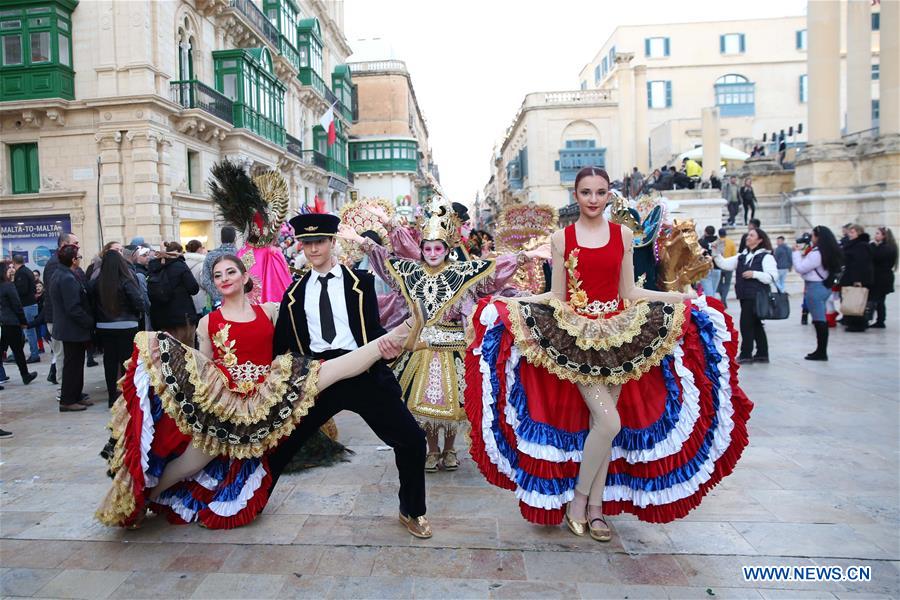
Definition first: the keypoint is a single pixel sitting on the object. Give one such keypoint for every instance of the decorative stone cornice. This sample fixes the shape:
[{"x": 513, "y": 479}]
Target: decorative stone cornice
[{"x": 211, "y": 8}]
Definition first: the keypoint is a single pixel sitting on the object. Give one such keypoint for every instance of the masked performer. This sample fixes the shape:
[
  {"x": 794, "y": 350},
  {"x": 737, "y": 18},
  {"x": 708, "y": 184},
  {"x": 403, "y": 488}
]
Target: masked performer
[
  {"x": 256, "y": 206},
  {"x": 193, "y": 430},
  {"x": 443, "y": 290},
  {"x": 627, "y": 400}
]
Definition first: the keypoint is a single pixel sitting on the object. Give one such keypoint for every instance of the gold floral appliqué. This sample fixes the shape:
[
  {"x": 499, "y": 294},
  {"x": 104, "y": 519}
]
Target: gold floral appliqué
[{"x": 225, "y": 346}]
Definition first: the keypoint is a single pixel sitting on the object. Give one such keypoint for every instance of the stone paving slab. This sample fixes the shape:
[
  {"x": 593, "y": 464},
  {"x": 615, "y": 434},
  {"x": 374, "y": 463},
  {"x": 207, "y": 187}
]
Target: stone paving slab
[{"x": 818, "y": 486}]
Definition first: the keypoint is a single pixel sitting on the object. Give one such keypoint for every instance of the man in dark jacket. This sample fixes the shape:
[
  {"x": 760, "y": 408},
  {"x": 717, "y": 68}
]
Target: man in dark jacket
[
  {"x": 72, "y": 324},
  {"x": 50, "y": 269},
  {"x": 327, "y": 321},
  {"x": 12, "y": 321},
  {"x": 171, "y": 286},
  {"x": 26, "y": 287}
]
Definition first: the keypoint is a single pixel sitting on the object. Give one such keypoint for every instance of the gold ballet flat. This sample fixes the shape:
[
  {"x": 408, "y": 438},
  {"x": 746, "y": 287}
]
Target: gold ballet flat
[
  {"x": 579, "y": 528},
  {"x": 601, "y": 534},
  {"x": 418, "y": 526}
]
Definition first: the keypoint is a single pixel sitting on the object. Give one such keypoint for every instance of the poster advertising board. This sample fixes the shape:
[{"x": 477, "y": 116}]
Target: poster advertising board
[{"x": 32, "y": 237}]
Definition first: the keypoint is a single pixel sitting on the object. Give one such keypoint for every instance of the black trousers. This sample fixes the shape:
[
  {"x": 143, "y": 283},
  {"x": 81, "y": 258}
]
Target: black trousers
[
  {"x": 117, "y": 346},
  {"x": 376, "y": 397},
  {"x": 12, "y": 339},
  {"x": 750, "y": 206},
  {"x": 878, "y": 306},
  {"x": 752, "y": 331},
  {"x": 73, "y": 372}
]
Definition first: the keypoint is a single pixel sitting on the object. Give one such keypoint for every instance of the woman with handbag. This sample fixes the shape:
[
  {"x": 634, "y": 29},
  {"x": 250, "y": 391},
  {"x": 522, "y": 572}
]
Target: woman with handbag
[
  {"x": 858, "y": 273},
  {"x": 756, "y": 270},
  {"x": 818, "y": 264},
  {"x": 884, "y": 260}
]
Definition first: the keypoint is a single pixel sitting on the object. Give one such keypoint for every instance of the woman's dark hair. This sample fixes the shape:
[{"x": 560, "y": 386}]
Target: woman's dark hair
[
  {"x": 193, "y": 245},
  {"x": 764, "y": 242},
  {"x": 174, "y": 247},
  {"x": 832, "y": 256},
  {"x": 591, "y": 172},
  {"x": 67, "y": 255},
  {"x": 114, "y": 271},
  {"x": 4, "y": 267},
  {"x": 248, "y": 287}
]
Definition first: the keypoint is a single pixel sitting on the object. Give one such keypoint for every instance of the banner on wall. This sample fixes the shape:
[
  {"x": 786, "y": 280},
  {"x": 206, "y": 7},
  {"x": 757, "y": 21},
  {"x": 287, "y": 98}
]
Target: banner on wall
[{"x": 34, "y": 238}]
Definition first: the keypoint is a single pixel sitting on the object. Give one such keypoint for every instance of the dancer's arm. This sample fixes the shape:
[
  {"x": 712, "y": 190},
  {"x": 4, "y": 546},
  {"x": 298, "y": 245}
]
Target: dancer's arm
[
  {"x": 629, "y": 291},
  {"x": 205, "y": 347},
  {"x": 359, "y": 361}
]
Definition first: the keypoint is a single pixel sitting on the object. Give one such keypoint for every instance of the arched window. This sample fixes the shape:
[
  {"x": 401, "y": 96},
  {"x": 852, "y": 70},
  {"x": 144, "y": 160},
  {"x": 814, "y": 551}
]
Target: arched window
[
  {"x": 186, "y": 42},
  {"x": 735, "y": 96}
]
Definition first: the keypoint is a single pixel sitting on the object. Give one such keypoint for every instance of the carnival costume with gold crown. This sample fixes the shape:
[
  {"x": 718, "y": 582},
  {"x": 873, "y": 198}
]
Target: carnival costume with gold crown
[
  {"x": 526, "y": 226},
  {"x": 431, "y": 374},
  {"x": 683, "y": 414},
  {"x": 257, "y": 206}
]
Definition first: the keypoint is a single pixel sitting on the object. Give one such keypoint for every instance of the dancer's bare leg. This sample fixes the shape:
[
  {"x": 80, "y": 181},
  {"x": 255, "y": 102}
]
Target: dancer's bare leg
[
  {"x": 190, "y": 462},
  {"x": 595, "y": 502}
]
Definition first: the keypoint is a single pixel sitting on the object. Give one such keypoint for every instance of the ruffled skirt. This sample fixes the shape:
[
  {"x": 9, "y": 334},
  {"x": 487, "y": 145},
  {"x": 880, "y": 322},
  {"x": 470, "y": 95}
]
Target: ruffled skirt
[
  {"x": 173, "y": 396},
  {"x": 684, "y": 417}
]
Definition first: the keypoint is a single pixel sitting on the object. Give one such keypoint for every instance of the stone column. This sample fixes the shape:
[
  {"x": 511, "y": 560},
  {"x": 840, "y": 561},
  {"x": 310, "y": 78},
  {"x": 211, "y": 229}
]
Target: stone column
[
  {"x": 889, "y": 78},
  {"x": 711, "y": 154},
  {"x": 145, "y": 186},
  {"x": 625, "y": 77},
  {"x": 110, "y": 202},
  {"x": 859, "y": 60},
  {"x": 823, "y": 62},
  {"x": 641, "y": 129}
]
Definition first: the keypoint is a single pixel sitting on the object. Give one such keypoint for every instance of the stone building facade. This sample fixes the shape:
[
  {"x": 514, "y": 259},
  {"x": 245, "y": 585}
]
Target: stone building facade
[
  {"x": 158, "y": 92},
  {"x": 389, "y": 148}
]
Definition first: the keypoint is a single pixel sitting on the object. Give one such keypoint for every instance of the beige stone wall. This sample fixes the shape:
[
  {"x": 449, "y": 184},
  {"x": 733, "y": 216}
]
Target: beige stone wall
[
  {"x": 383, "y": 105},
  {"x": 124, "y": 56}
]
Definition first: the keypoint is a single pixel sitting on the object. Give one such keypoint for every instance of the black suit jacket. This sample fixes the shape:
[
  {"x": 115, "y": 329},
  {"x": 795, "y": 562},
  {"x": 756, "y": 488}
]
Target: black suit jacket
[{"x": 292, "y": 330}]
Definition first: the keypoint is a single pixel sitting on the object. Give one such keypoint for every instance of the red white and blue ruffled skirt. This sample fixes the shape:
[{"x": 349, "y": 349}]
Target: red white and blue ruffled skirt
[
  {"x": 173, "y": 396},
  {"x": 684, "y": 416}
]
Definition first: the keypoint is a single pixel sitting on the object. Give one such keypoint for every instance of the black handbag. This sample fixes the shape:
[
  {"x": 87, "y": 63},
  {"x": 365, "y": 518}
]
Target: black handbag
[{"x": 772, "y": 306}]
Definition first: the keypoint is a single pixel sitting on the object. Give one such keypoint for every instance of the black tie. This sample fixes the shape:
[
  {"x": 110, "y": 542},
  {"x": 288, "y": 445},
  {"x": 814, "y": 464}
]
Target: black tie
[{"x": 325, "y": 314}]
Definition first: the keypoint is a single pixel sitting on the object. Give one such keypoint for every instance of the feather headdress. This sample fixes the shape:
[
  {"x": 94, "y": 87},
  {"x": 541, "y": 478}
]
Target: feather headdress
[{"x": 257, "y": 206}]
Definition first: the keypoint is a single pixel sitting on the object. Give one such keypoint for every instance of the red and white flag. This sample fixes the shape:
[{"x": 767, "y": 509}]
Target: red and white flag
[{"x": 328, "y": 124}]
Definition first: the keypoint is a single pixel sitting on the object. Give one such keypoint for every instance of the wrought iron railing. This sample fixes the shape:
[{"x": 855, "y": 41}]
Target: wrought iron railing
[
  {"x": 194, "y": 94},
  {"x": 258, "y": 19},
  {"x": 294, "y": 146}
]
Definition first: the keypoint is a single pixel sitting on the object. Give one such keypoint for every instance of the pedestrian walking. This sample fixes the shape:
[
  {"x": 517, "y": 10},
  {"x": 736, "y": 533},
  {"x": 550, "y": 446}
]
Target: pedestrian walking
[
  {"x": 50, "y": 269},
  {"x": 25, "y": 285},
  {"x": 748, "y": 199},
  {"x": 171, "y": 287},
  {"x": 730, "y": 194},
  {"x": 636, "y": 183},
  {"x": 12, "y": 323},
  {"x": 729, "y": 249}
]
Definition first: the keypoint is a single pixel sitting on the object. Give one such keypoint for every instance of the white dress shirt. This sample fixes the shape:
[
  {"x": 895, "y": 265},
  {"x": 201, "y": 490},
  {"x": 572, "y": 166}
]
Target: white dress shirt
[{"x": 344, "y": 339}]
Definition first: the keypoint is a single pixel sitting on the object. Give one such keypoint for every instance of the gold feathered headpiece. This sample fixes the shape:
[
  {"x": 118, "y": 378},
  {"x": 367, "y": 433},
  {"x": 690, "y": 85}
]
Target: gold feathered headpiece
[{"x": 443, "y": 223}]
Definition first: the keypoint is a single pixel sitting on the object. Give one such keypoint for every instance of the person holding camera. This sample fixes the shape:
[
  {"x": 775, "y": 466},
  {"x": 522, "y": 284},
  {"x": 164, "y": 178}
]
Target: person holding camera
[
  {"x": 817, "y": 258},
  {"x": 756, "y": 271}
]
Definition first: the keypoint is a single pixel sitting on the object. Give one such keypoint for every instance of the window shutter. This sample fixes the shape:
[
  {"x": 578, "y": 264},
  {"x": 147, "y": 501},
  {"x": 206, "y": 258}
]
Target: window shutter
[
  {"x": 721, "y": 44},
  {"x": 18, "y": 158},
  {"x": 649, "y": 94},
  {"x": 667, "y": 46},
  {"x": 668, "y": 94},
  {"x": 801, "y": 88},
  {"x": 799, "y": 39},
  {"x": 646, "y": 46},
  {"x": 556, "y": 165},
  {"x": 742, "y": 43}
]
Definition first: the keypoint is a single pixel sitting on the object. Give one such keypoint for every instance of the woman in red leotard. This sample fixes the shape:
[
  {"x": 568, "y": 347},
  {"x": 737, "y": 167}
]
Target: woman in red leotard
[
  {"x": 626, "y": 399},
  {"x": 191, "y": 430}
]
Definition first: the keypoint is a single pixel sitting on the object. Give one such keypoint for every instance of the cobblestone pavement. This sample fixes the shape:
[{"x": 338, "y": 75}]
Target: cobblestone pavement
[{"x": 817, "y": 486}]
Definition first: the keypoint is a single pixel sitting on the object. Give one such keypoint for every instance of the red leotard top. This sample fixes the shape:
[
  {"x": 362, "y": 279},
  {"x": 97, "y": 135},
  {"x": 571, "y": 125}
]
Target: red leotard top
[
  {"x": 243, "y": 351},
  {"x": 599, "y": 268}
]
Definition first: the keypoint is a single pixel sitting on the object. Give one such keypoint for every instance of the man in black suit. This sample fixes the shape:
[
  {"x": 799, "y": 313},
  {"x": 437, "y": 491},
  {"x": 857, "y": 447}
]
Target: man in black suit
[{"x": 328, "y": 312}]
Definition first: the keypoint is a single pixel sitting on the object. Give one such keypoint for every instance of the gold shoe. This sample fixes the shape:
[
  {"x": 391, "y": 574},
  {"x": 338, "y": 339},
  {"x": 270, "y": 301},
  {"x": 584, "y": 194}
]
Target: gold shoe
[
  {"x": 579, "y": 528},
  {"x": 449, "y": 460},
  {"x": 601, "y": 534},
  {"x": 431, "y": 462},
  {"x": 418, "y": 526}
]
